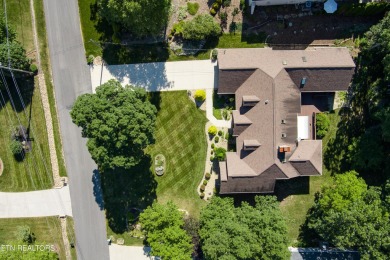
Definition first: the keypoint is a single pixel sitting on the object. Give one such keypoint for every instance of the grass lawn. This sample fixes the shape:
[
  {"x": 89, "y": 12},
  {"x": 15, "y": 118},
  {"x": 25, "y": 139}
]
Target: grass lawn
[
  {"x": 71, "y": 236},
  {"x": 295, "y": 207},
  {"x": 45, "y": 63},
  {"x": 47, "y": 231},
  {"x": 181, "y": 139}
]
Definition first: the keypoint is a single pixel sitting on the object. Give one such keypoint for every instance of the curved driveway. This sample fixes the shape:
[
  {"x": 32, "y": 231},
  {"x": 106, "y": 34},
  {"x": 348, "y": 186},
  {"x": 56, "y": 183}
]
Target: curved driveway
[
  {"x": 43, "y": 203},
  {"x": 71, "y": 79}
]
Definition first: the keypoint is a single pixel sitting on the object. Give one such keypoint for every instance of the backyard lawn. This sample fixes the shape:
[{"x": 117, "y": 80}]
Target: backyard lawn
[
  {"x": 47, "y": 231},
  {"x": 295, "y": 207}
]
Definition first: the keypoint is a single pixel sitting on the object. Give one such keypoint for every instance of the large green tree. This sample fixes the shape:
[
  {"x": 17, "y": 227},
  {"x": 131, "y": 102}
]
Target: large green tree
[
  {"x": 349, "y": 215},
  {"x": 246, "y": 232},
  {"x": 119, "y": 123},
  {"x": 163, "y": 226},
  {"x": 141, "y": 17},
  {"x": 16, "y": 56}
]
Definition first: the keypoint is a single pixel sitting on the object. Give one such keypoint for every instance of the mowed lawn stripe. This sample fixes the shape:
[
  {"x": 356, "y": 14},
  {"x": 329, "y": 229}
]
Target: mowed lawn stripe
[{"x": 181, "y": 139}]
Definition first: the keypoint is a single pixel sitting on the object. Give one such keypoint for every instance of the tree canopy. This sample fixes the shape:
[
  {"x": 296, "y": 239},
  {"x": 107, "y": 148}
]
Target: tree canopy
[
  {"x": 200, "y": 28},
  {"x": 119, "y": 123},
  {"x": 141, "y": 17},
  {"x": 17, "y": 54},
  {"x": 349, "y": 215},
  {"x": 163, "y": 226},
  {"x": 246, "y": 232}
]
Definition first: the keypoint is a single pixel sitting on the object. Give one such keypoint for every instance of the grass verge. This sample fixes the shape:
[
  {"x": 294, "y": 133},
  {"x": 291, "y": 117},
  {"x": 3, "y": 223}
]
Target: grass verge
[
  {"x": 295, "y": 207},
  {"x": 47, "y": 231},
  {"x": 34, "y": 172},
  {"x": 44, "y": 52},
  {"x": 71, "y": 236}
]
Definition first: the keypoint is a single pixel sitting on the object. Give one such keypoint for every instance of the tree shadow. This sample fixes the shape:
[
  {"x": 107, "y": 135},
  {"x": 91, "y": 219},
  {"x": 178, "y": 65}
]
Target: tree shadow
[
  {"x": 26, "y": 90},
  {"x": 155, "y": 99},
  {"x": 126, "y": 189},
  {"x": 97, "y": 189}
]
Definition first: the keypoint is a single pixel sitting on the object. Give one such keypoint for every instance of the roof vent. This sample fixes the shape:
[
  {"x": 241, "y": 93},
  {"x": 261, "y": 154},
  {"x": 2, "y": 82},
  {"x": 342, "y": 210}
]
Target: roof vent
[
  {"x": 266, "y": 101},
  {"x": 283, "y": 121},
  {"x": 284, "y": 62},
  {"x": 304, "y": 59},
  {"x": 284, "y": 135}
]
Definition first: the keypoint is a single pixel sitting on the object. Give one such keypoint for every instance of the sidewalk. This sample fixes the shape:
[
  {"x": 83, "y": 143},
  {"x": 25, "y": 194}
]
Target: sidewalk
[
  {"x": 118, "y": 252},
  {"x": 54, "y": 202}
]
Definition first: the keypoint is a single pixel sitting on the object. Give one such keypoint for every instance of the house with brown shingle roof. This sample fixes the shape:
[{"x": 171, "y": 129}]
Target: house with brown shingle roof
[{"x": 274, "y": 139}]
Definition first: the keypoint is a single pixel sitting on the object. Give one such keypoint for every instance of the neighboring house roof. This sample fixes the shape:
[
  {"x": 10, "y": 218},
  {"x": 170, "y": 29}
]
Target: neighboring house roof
[{"x": 268, "y": 102}]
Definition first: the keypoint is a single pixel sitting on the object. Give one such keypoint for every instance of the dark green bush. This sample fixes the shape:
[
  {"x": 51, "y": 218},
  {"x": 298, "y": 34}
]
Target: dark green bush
[
  {"x": 214, "y": 54},
  {"x": 192, "y": 8},
  {"x": 205, "y": 182},
  {"x": 216, "y": 139},
  {"x": 90, "y": 59},
  {"x": 212, "y": 151},
  {"x": 218, "y": 2},
  {"x": 226, "y": 3},
  {"x": 220, "y": 153},
  {"x": 235, "y": 12},
  {"x": 207, "y": 176},
  {"x": 223, "y": 16},
  {"x": 202, "y": 195},
  {"x": 16, "y": 147},
  {"x": 227, "y": 136},
  {"x": 211, "y": 158},
  {"x": 33, "y": 68},
  {"x": 212, "y": 146},
  {"x": 213, "y": 12},
  {"x": 202, "y": 188},
  {"x": 201, "y": 27},
  {"x": 322, "y": 125},
  {"x": 242, "y": 4},
  {"x": 220, "y": 133}
]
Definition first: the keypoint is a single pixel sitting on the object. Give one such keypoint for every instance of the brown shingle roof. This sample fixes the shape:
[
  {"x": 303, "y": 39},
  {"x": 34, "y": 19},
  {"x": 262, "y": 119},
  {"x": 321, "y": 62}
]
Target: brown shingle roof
[
  {"x": 273, "y": 119},
  {"x": 230, "y": 80},
  {"x": 320, "y": 79}
]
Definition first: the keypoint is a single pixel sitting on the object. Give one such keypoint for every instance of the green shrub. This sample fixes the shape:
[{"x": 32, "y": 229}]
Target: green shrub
[
  {"x": 192, "y": 8},
  {"x": 211, "y": 158},
  {"x": 220, "y": 132},
  {"x": 182, "y": 13},
  {"x": 177, "y": 28},
  {"x": 200, "y": 95},
  {"x": 242, "y": 4},
  {"x": 213, "y": 12},
  {"x": 212, "y": 151},
  {"x": 25, "y": 235},
  {"x": 212, "y": 130},
  {"x": 220, "y": 153},
  {"x": 33, "y": 68},
  {"x": 16, "y": 147},
  {"x": 201, "y": 27},
  {"x": 235, "y": 12},
  {"x": 214, "y": 54},
  {"x": 227, "y": 136},
  {"x": 218, "y": 2},
  {"x": 202, "y": 195},
  {"x": 205, "y": 182},
  {"x": 90, "y": 59},
  {"x": 322, "y": 125},
  {"x": 202, "y": 188},
  {"x": 216, "y": 139},
  {"x": 223, "y": 16},
  {"x": 207, "y": 176},
  {"x": 215, "y": 6},
  {"x": 212, "y": 146},
  {"x": 226, "y": 3}
]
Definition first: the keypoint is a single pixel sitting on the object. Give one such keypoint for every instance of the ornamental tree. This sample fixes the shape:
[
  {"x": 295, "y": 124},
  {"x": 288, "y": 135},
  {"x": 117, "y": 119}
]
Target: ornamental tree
[
  {"x": 163, "y": 227},
  {"x": 119, "y": 123},
  {"x": 201, "y": 27}
]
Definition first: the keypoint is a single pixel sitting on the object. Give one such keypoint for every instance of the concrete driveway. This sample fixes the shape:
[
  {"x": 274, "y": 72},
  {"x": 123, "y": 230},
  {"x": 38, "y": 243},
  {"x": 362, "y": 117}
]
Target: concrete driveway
[
  {"x": 43, "y": 203},
  {"x": 160, "y": 76},
  {"x": 129, "y": 252}
]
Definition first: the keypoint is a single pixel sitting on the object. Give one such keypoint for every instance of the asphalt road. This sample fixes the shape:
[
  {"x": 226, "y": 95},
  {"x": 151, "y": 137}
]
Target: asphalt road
[{"x": 71, "y": 79}]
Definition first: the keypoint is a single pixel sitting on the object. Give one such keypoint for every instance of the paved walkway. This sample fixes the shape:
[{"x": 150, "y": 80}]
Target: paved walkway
[
  {"x": 118, "y": 252},
  {"x": 54, "y": 202},
  {"x": 160, "y": 76}
]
